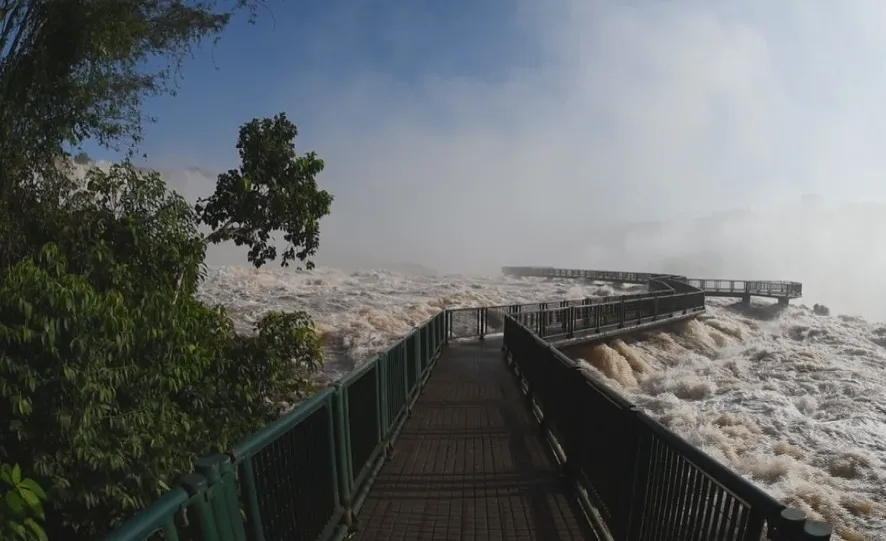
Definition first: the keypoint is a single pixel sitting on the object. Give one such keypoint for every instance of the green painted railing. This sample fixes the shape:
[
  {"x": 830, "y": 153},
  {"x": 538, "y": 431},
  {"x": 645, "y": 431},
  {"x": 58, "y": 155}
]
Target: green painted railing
[{"x": 304, "y": 476}]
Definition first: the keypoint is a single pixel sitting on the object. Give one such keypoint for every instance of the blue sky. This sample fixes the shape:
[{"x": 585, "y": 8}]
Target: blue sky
[
  {"x": 469, "y": 135},
  {"x": 298, "y": 50}
]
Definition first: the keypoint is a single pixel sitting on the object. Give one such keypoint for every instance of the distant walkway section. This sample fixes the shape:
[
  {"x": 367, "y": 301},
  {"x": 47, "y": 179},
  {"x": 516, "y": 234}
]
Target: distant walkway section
[{"x": 716, "y": 287}]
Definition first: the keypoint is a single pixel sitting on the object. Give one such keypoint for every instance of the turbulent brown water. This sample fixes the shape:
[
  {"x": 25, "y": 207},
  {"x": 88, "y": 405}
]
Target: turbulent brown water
[{"x": 794, "y": 401}]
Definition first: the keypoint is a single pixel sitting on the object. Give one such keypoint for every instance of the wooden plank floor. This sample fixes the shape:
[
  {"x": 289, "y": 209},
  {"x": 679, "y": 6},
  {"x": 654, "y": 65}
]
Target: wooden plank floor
[{"x": 470, "y": 464}]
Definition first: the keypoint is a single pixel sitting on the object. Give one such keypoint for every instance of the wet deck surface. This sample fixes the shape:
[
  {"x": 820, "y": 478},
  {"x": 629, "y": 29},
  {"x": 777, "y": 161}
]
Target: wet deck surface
[{"x": 470, "y": 464}]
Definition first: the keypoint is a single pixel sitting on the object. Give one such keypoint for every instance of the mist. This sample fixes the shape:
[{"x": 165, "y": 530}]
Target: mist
[{"x": 715, "y": 139}]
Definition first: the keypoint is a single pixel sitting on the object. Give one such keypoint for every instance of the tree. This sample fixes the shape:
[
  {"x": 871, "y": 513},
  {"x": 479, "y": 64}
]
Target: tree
[
  {"x": 273, "y": 189},
  {"x": 116, "y": 377},
  {"x": 77, "y": 70},
  {"x": 21, "y": 506}
]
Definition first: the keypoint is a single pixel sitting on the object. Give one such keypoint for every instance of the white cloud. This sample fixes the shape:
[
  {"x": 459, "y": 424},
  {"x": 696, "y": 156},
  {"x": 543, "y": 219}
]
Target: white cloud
[{"x": 641, "y": 111}]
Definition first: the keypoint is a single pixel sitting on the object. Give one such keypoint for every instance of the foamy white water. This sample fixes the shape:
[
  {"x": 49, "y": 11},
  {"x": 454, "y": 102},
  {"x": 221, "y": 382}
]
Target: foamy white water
[
  {"x": 794, "y": 401},
  {"x": 361, "y": 314}
]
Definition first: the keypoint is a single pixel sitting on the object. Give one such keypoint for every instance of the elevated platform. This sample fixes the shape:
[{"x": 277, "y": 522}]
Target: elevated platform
[
  {"x": 470, "y": 463},
  {"x": 435, "y": 439},
  {"x": 782, "y": 290}
]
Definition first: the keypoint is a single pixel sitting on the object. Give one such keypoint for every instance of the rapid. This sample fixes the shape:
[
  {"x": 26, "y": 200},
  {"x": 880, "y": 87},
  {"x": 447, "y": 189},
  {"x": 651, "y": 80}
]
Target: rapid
[{"x": 792, "y": 400}]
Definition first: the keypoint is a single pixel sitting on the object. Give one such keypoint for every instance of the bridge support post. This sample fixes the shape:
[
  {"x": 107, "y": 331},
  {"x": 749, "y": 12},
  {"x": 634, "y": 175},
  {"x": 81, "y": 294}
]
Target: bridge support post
[
  {"x": 746, "y": 298},
  {"x": 783, "y": 301},
  {"x": 793, "y": 526}
]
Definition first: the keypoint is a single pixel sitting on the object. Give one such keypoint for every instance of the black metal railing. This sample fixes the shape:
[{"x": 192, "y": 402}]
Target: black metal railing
[
  {"x": 766, "y": 288},
  {"x": 642, "y": 480},
  {"x": 662, "y": 299}
]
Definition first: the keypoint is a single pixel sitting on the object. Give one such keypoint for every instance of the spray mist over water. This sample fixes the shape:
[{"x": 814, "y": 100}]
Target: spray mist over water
[
  {"x": 679, "y": 136},
  {"x": 660, "y": 136},
  {"x": 676, "y": 136},
  {"x": 823, "y": 245},
  {"x": 789, "y": 399},
  {"x": 794, "y": 401}
]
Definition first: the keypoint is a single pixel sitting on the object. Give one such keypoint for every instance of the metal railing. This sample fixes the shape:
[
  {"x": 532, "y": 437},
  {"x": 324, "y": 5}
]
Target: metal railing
[
  {"x": 478, "y": 322},
  {"x": 749, "y": 287},
  {"x": 767, "y": 288},
  {"x": 600, "y": 275},
  {"x": 569, "y": 322},
  {"x": 642, "y": 481},
  {"x": 303, "y": 477}
]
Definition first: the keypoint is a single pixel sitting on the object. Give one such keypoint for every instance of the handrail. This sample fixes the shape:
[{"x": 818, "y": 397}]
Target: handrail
[
  {"x": 678, "y": 491},
  {"x": 641, "y": 480},
  {"x": 768, "y": 288},
  {"x": 346, "y": 432}
]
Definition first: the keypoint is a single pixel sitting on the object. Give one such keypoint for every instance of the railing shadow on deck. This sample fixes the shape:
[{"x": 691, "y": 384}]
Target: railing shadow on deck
[{"x": 305, "y": 476}]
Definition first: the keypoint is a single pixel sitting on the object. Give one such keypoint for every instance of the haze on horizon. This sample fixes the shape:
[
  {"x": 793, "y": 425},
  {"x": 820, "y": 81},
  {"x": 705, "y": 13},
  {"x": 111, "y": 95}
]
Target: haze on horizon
[{"x": 747, "y": 137}]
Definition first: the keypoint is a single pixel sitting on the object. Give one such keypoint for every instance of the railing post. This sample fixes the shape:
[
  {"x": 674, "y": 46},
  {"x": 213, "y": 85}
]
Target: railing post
[
  {"x": 425, "y": 346},
  {"x": 342, "y": 453},
  {"x": 253, "y": 510},
  {"x": 195, "y": 485},
  {"x": 228, "y": 480},
  {"x": 572, "y": 443},
  {"x": 383, "y": 396},
  {"x": 543, "y": 392},
  {"x": 634, "y": 507},
  {"x": 419, "y": 334},
  {"x": 482, "y": 316},
  {"x": 211, "y": 469},
  {"x": 570, "y": 331},
  {"x": 404, "y": 355}
]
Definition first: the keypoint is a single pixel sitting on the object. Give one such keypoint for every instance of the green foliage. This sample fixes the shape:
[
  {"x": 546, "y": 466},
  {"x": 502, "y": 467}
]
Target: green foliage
[
  {"x": 78, "y": 69},
  {"x": 114, "y": 376},
  {"x": 82, "y": 158},
  {"x": 91, "y": 382},
  {"x": 256, "y": 375},
  {"x": 151, "y": 230},
  {"x": 21, "y": 506},
  {"x": 273, "y": 190}
]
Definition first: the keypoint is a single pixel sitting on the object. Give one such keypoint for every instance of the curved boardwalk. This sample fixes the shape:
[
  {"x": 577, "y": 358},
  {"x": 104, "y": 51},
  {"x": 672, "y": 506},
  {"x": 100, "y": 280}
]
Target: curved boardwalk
[
  {"x": 470, "y": 463},
  {"x": 470, "y": 460}
]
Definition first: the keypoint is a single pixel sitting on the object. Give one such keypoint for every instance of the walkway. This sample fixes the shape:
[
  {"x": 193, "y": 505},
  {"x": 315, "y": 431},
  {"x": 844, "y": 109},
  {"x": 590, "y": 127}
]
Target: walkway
[{"x": 470, "y": 463}]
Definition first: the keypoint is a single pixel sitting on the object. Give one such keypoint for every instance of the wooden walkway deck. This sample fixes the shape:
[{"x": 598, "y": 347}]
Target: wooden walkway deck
[{"x": 470, "y": 464}]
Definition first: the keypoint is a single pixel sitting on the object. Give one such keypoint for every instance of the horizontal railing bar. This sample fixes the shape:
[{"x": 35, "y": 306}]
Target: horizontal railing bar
[{"x": 360, "y": 415}]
